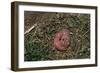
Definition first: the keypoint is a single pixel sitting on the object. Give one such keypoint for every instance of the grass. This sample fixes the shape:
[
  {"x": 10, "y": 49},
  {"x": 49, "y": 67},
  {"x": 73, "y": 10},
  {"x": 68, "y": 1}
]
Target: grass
[{"x": 38, "y": 43}]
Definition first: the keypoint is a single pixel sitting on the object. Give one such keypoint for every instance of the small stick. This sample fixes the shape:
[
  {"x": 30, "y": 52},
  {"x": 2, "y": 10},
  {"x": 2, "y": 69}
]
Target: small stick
[{"x": 30, "y": 29}]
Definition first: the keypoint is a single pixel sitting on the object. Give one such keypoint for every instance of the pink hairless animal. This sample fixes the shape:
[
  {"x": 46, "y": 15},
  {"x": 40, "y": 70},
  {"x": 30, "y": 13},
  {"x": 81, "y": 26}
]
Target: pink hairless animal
[{"x": 62, "y": 40}]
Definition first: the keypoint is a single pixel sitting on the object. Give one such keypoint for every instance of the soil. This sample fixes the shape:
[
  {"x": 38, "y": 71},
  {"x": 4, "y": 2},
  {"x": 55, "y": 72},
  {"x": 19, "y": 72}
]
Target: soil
[{"x": 39, "y": 42}]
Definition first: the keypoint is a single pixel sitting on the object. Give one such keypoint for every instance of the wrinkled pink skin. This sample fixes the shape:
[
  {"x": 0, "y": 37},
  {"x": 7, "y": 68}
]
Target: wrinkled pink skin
[{"x": 62, "y": 40}]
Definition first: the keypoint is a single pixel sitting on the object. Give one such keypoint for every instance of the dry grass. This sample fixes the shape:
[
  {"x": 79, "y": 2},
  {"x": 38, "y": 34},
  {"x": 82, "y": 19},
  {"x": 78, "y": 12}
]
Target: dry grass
[{"x": 39, "y": 41}]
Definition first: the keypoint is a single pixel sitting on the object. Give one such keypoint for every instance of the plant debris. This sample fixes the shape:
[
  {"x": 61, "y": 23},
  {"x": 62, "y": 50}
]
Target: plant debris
[{"x": 39, "y": 42}]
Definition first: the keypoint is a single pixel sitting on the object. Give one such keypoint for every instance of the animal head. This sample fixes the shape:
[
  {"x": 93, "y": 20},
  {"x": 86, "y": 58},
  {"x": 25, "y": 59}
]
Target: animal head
[{"x": 62, "y": 40}]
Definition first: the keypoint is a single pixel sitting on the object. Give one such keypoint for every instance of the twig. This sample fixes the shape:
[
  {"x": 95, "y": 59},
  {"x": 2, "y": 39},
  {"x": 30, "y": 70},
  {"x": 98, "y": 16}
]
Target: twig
[
  {"x": 85, "y": 33},
  {"x": 30, "y": 29}
]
